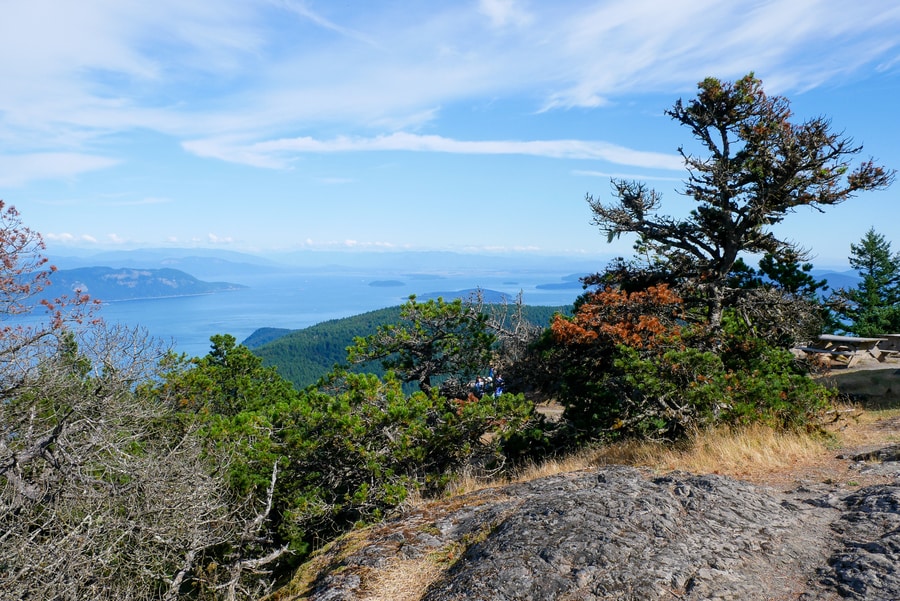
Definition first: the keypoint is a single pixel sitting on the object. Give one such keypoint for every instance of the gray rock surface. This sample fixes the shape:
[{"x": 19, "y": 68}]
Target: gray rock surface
[
  {"x": 622, "y": 533},
  {"x": 615, "y": 535},
  {"x": 867, "y": 564}
]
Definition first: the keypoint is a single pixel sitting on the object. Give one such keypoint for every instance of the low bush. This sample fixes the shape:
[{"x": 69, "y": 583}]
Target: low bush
[{"x": 628, "y": 364}]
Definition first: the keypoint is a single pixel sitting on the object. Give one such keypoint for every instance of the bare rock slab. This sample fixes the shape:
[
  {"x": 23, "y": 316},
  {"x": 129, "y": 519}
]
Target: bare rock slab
[
  {"x": 624, "y": 533},
  {"x": 614, "y": 534}
]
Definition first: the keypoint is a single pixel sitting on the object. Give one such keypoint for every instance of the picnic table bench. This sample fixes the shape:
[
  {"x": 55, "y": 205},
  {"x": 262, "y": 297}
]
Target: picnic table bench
[
  {"x": 846, "y": 350},
  {"x": 891, "y": 343}
]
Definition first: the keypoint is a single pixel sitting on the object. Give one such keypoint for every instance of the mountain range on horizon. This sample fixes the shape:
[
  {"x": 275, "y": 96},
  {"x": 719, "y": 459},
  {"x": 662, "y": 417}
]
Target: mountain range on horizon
[{"x": 211, "y": 262}]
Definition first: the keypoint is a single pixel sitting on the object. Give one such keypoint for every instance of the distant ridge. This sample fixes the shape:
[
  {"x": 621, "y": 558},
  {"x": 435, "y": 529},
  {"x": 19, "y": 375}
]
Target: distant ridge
[
  {"x": 200, "y": 262},
  {"x": 117, "y": 284},
  {"x": 489, "y": 296}
]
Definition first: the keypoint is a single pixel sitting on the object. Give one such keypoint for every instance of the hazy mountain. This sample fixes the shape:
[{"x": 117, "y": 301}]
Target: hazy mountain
[
  {"x": 114, "y": 284},
  {"x": 218, "y": 264},
  {"x": 837, "y": 279},
  {"x": 487, "y": 295},
  {"x": 200, "y": 262},
  {"x": 438, "y": 261}
]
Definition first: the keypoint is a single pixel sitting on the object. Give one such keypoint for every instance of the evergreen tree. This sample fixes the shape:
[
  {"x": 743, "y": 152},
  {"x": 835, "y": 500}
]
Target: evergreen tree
[
  {"x": 434, "y": 339},
  {"x": 757, "y": 166},
  {"x": 873, "y": 307}
]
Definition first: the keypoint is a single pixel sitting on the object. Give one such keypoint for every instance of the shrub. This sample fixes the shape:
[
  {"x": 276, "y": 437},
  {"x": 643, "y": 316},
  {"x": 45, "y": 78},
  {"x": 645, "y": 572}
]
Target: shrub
[
  {"x": 357, "y": 446},
  {"x": 626, "y": 365}
]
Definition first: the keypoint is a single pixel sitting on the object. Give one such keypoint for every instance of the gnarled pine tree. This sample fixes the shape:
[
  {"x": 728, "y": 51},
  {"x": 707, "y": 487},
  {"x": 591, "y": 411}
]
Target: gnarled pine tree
[{"x": 757, "y": 167}]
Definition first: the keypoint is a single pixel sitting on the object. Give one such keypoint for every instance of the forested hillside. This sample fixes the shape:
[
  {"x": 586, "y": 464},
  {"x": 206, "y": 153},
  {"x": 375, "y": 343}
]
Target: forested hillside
[
  {"x": 303, "y": 356},
  {"x": 113, "y": 284}
]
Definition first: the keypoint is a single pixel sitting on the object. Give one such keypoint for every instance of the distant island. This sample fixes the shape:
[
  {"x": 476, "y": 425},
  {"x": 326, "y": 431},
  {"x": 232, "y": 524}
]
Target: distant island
[
  {"x": 561, "y": 286},
  {"x": 386, "y": 283},
  {"x": 110, "y": 284},
  {"x": 488, "y": 296}
]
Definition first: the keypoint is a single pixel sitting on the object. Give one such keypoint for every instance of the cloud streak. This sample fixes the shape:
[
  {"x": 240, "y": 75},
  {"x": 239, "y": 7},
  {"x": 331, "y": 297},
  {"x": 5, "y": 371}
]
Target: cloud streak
[
  {"x": 350, "y": 78},
  {"x": 254, "y": 119},
  {"x": 17, "y": 170},
  {"x": 273, "y": 153}
]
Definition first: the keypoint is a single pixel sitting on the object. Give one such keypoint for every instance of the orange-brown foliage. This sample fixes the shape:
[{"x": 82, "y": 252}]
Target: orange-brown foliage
[{"x": 639, "y": 319}]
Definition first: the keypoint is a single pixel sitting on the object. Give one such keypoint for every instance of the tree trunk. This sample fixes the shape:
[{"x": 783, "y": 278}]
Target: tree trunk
[{"x": 716, "y": 306}]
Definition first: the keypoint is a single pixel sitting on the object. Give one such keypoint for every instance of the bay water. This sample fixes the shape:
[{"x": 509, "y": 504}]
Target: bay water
[{"x": 299, "y": 300}]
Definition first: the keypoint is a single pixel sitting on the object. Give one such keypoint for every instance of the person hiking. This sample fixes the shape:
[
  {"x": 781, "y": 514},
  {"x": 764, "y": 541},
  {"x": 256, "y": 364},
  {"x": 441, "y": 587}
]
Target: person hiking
[
  {"x": 479, "y": 387},
  {"x": 498, "y": 385}
]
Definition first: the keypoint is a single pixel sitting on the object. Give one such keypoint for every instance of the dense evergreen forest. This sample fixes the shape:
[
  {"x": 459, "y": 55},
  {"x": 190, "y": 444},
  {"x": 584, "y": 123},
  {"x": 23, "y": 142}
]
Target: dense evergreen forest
[{"x": 304, "y": 356}]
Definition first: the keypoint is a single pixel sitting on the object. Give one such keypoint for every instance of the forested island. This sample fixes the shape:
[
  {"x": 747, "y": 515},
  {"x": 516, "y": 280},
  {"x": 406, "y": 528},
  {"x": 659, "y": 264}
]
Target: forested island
[{"x": 117, "y": 284}]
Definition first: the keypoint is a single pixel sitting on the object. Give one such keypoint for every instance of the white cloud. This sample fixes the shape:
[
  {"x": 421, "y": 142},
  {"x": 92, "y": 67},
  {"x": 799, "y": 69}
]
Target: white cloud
[
  {"x": 310, "y": 244},
  {"x": 505, "y": 12},
  {"x": 64, "y": 237},
  {"x": 625, "y": 176},
  {"x": 302, "y": 10},
  {"x": 215, "y": 239},
  {"x": 19, "y": 169},
  {"x": 233, "y": 152},
  {"x": 232, "y": 70},
  {"x": 273, "y": 153},
  {"x": 501, "y": 249},
  {"x": 150, "y": 200},
  {"x": 67, "y": 238}
]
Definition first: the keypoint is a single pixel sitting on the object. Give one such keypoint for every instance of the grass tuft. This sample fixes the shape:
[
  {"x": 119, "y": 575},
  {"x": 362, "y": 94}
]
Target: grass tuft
[{"x": 749, "y": 452}]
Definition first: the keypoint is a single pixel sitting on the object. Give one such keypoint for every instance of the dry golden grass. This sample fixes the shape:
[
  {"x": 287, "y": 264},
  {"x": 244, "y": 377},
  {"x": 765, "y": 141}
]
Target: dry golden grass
[
  {"x": 573, "y": 462},
  {"x": 756, "y": 453},
  {"x": 404, "y": 580},
  {"x": 408, "y": 579},
  {"x": 746, "y": 453},
  {"x": 401, "y": 580},
  {"x": 741, "y": 453},
  {"x": 872, "y": 427},
  {"x": 470, "y": 482}
]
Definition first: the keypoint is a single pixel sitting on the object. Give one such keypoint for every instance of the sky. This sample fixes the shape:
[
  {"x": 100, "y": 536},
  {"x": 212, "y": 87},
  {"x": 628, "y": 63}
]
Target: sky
[{"x": 467, "y": 125}]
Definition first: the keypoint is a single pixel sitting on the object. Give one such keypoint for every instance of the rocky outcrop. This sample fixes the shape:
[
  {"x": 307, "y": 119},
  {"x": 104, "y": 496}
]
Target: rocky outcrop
[{"x": 623, "y": 533}]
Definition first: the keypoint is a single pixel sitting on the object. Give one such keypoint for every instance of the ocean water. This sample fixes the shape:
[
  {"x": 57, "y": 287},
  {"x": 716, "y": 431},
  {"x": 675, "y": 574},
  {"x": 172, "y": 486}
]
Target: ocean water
[{"x": 296, "y": 301}]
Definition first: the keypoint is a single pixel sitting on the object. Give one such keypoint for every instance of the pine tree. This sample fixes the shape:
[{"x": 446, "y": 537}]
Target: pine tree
[
  {"x": 756, "y": 166},
  {"x": 873, "y": 306}
]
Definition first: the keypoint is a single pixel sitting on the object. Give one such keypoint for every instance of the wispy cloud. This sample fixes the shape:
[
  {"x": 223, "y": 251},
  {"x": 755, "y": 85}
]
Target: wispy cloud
[
  {"x": 266, "y": 70},
  {"x": 67, "y": 238},
  {"x": 218, "y": 240},
  {"x": 505, "y": 12},
  {"x": 273, "y": 153},
  {"x": 626, "y": 176},
  {"x": 349, "y": 244},
  {"x": 17, "y": 170},
  {"x": 304, "y": 11},
  {"x": 138, "y": 202}
]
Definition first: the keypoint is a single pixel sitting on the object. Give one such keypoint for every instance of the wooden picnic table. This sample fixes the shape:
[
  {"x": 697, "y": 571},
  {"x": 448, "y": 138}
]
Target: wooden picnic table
[
  {"x": 845, "y": 350},
  {"x": 891, "y": 343},
  {"x": 850, "y": 343}
]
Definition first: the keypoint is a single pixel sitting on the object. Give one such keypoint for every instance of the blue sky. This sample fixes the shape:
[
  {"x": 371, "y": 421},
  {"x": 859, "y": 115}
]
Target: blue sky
[{"x": 464, "y": 125}]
